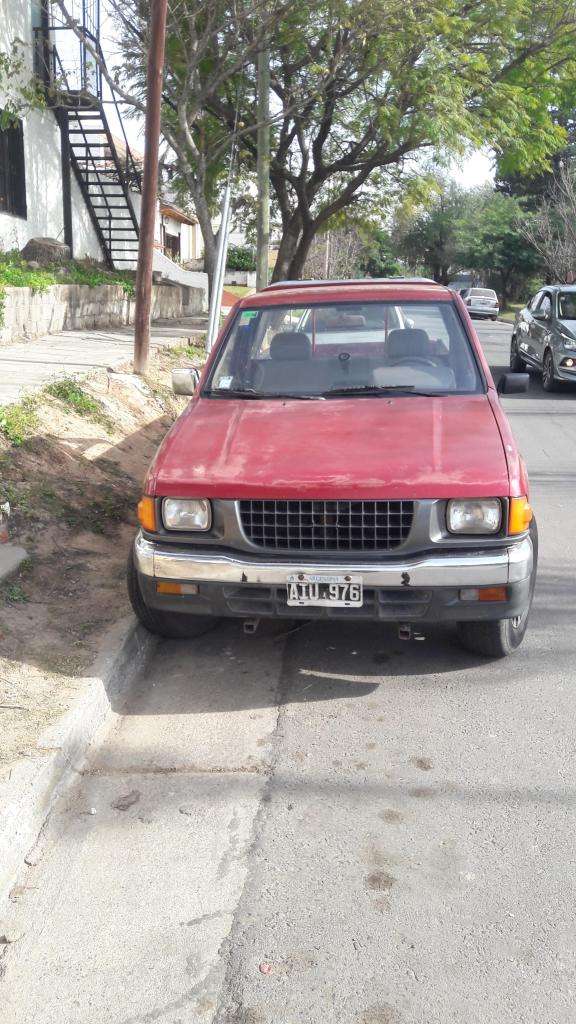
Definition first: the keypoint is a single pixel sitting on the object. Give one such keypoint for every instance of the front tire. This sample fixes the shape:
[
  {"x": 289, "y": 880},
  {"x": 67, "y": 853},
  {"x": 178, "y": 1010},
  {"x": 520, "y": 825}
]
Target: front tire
[
  {"x": 500, "y": 637},
  {"x": 549, "y": 383},
  {"x": 166, "y": 624},
  {"x": 517, "y": 364},
  {"x": 494, "y": 639}
]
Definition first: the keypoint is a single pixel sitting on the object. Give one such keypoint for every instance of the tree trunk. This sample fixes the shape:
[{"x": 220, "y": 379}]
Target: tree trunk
[
  {"x": 288, "y": 247},
  {"x": 209, "y": 238},
  {"x": 294, "y": 249},
  {"x": 300, "y": 256}
]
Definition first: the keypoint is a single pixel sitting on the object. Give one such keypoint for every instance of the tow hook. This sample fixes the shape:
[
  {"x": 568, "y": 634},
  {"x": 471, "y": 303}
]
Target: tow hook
[
  {"x": 405, "y": 631},
  {"x": 250, "y": 625}
]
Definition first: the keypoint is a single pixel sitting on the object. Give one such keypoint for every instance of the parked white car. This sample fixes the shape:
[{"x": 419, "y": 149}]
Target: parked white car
[{"x": 482, "y": 302}]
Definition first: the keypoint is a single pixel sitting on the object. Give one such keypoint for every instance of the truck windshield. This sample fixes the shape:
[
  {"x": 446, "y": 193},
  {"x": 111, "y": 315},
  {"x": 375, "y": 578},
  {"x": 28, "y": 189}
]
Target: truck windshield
[{"x": 360, "y": 348}]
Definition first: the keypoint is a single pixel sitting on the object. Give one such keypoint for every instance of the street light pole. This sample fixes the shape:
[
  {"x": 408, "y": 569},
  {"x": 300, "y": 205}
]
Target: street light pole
[
  {"x": 263, "y": 170},
  {"x": 149, "y": 185}
]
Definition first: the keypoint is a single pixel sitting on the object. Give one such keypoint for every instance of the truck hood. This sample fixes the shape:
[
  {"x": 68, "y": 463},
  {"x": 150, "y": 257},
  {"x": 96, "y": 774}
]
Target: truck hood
[{"x": 397, "y": 447}]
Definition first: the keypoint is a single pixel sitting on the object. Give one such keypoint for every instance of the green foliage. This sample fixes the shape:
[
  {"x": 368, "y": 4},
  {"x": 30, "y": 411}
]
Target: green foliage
[
  {"x": 240, "y": 257},
  {"x": 378, "y": 258},
  {"x": 19, "y": 94},
  {"x": 492, "y": 243},
  {"x": 71, "y": 394},
  {"x": 15, "y": 273},
  {"x": 13, "y": 593},
  {"x": 19, "y": 420},
  {"x": 429, "y": 235}
]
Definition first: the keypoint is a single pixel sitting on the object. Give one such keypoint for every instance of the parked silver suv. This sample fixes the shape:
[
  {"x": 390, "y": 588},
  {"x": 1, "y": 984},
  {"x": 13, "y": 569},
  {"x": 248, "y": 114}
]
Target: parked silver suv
[
  {"x": 544, "y": 336},
  {"x": 482, "y": 302}
]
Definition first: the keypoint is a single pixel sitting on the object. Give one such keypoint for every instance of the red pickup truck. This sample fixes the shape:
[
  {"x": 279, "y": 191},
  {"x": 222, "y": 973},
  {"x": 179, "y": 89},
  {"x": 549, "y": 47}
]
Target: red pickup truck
[{"x": 345, "y": 455}]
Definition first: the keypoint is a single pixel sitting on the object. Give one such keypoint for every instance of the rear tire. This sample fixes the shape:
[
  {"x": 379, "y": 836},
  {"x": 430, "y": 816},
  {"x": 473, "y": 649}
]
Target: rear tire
[
  {"x": 167, "y": 624},
  {"x": 548, "y": 381},
  {"x": 499, "y": 637},
  {"x": 517, "y": 364}
]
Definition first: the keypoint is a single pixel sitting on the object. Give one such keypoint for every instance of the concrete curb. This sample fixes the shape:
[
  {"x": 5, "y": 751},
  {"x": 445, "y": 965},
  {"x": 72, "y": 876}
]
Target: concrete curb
[
  {"x": 11, "y": 558},
  {"x": 29, "y": 792}
]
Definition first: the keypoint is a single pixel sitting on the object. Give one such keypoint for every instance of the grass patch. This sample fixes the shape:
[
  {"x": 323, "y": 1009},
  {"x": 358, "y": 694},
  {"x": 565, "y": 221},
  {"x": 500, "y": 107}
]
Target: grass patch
[
  {"x": 239, "y": 289},
  {"x": 19, "y": 421},
  {"x": 509, "y": 314},
  {"x": 187, "y": 352},
  {"x": 69, "y": 392},
  {"x": 12, "y": 593}
]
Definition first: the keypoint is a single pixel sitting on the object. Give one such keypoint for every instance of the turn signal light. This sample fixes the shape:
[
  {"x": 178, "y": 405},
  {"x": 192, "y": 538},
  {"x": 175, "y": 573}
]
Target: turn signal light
[
  {"x": 520, "y": 515},
  {"x": 165, "y": 587},
  {"x": 492, "y": 594},
  {"x": 147, "y": 514},
  {"x": 483, "y": 594}
]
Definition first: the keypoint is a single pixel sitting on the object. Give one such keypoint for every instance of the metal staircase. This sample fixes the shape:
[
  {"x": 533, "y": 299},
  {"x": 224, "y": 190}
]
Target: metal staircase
[
  {"x": 105, "y": 180},
  {"x": 104, "y": 167}
]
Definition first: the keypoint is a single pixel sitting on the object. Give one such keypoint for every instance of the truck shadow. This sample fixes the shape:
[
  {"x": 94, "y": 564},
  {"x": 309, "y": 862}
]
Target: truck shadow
[{"x": 225, "y": 670}]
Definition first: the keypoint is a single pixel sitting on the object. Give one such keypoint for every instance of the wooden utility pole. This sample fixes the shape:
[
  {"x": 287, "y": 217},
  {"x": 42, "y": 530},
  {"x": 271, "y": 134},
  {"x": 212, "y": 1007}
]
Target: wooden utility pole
[
  {"x": 149, "y": 185},
  {"x": 263, "y": 170}
]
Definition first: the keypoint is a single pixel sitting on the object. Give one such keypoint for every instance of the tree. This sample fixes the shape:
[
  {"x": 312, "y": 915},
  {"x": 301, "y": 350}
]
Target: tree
[
  {"x": 210, "y": 48},
  {"x": 551, "y": 231},
  {"x": 336, "y": 254},
  {"x": 533, "y": 188},
  {"x": 20, "y": 92},
  {"x": 361, "y": 85},
  {"x": 492, "y": 242},
  {"x": 378, "y": 257},
  {"x": 431, "y": 238}
]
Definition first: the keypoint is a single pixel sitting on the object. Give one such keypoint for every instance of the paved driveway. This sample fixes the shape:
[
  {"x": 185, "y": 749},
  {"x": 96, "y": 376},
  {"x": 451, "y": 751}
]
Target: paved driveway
[{"x": 329, "y": 826}]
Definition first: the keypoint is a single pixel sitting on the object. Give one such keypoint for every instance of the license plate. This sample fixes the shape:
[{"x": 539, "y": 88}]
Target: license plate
[{"x": 324, "y": 591}]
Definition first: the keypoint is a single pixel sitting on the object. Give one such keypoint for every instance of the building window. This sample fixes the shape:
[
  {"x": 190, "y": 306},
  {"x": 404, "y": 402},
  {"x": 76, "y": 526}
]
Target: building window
[{"x": 12, "y": 175}]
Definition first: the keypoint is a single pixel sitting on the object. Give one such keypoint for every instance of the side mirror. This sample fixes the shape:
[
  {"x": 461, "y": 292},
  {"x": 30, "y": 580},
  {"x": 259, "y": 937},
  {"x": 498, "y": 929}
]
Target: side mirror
[
  {"x": 539, "y": 314},
  {"x": 513, "y": 383},
  {"x": 185, "y": 380}
]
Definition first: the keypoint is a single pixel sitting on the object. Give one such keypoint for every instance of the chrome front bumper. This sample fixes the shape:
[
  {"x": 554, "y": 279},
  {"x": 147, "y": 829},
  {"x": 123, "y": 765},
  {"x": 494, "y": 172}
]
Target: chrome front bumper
[{"x": 459, "y": 569}]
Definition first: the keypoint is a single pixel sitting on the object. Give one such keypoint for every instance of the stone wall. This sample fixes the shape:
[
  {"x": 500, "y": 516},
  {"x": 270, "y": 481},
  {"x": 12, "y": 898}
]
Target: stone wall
[
  {"x": 242, "y": 277},
  {"x": 69, "y": 307}
]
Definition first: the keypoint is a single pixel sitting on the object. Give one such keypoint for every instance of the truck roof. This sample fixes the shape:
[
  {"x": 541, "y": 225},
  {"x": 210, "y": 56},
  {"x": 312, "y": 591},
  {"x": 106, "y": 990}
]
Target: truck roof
[{"x": 395, "y": 289}]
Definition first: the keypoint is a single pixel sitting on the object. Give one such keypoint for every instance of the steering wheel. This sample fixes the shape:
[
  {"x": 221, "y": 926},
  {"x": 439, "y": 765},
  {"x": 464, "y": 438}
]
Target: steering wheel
[{"x": 420, "y": 360}]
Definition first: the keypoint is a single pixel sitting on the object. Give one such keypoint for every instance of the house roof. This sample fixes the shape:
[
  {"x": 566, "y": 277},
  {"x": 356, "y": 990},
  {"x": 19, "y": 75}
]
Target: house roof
[
  {"x": 120, "y": 145},
  {"x": 170, "y": 210}
]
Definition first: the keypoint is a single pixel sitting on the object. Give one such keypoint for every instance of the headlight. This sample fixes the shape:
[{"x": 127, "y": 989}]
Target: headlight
[
  {"x": 569, "y": 343},
  {"x": 474, "y": 515},
  {"x": 189, "y": 514}
]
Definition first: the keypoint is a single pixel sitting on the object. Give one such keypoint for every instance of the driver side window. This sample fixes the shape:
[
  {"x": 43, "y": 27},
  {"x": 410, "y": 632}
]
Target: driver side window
[{"x": 545, "y": 305}]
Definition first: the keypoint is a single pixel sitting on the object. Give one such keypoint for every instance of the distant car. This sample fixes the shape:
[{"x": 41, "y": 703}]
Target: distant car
[
  {"x": 345, "y": 455},
  {"x": 481, "y": 302},
  {"x": 544, "y": 336}
]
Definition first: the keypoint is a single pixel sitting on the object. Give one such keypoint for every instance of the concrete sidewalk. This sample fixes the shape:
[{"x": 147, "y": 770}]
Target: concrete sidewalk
[{"x": 27, "y": 366}]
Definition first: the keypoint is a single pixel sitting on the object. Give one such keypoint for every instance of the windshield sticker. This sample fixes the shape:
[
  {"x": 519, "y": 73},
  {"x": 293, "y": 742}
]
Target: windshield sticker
[
  {"x": 224, "y": 382},
  {"x": 248, "y": 315}
]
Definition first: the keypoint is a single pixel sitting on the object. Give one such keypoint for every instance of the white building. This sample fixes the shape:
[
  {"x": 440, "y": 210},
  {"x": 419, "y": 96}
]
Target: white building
[{"x": 63, "y": 174}]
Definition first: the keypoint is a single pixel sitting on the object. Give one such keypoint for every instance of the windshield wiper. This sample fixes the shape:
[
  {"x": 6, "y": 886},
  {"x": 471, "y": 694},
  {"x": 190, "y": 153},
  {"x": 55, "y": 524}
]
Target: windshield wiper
[
  {"x": 252, "y": 393},
  {"x": 377, "y": 389}
]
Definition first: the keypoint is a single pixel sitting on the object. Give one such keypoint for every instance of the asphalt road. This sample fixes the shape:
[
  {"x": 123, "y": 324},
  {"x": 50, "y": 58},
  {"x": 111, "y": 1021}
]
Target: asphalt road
[{"x": 329, "y": 826}]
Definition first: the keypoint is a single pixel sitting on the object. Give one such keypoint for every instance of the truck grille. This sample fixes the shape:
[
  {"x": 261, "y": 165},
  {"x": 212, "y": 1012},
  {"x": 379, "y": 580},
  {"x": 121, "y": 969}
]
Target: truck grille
[{"x": 327, "y": 525}]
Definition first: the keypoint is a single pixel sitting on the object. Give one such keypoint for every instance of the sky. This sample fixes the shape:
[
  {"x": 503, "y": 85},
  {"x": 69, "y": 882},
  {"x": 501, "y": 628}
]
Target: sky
[{"x": 475, "y": 170}]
